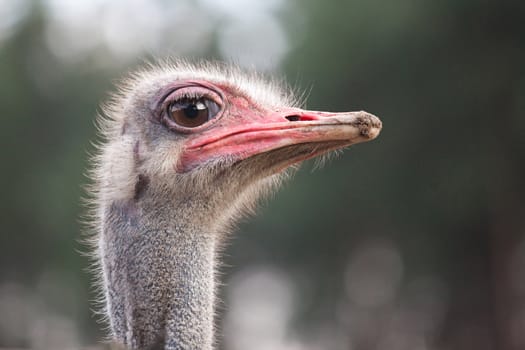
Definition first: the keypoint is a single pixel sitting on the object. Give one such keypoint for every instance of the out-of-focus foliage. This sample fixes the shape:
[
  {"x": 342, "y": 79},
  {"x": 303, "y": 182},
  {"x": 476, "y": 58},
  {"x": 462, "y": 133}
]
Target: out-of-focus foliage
[{"x": 416, "y": 240}]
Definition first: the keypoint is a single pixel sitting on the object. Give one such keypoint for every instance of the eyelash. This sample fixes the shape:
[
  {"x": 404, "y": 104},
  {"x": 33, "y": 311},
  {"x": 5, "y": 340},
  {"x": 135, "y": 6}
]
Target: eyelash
[{"x": 190, "y": 96}]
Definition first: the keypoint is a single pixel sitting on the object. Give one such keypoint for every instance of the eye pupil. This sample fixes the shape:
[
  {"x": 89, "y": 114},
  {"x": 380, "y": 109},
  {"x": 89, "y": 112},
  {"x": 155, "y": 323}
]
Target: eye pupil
[{"x": 192, "y": 111}]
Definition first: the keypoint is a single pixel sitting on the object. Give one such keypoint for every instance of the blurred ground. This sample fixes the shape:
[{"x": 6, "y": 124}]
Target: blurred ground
[{"x": 414, "y": 241}]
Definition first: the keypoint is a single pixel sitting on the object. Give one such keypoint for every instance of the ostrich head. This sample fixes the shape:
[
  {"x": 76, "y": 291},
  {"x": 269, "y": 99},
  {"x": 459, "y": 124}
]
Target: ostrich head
[{"x": 186, "y": 149}]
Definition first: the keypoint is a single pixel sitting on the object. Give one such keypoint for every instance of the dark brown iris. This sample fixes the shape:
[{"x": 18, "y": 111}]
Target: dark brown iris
[{"x": 191, "y": 113}]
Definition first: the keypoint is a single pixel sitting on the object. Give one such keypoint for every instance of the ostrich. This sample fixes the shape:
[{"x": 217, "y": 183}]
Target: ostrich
[{"x": 186, "y": 150}]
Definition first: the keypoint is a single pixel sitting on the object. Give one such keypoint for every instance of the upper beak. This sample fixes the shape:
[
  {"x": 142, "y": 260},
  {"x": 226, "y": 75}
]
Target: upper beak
[{"x": 251, "y": 136}]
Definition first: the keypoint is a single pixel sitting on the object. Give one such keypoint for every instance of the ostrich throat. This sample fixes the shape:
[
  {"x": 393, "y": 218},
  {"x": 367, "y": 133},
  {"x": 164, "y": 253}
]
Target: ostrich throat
[{"x": 162, "y": 285}]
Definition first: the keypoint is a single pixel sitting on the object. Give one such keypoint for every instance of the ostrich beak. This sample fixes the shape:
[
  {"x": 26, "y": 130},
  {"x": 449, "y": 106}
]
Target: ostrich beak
[{"x": 242, "y": 137}]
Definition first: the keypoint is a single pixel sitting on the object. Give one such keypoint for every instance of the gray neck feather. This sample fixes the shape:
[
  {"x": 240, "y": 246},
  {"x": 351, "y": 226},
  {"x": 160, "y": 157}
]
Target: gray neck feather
[{"x": 159, "y": 275}]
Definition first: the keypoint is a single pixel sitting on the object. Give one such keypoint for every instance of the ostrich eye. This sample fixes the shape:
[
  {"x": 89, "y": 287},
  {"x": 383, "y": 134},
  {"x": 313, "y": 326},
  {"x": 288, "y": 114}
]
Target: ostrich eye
[{"x": 191, "y": 113}]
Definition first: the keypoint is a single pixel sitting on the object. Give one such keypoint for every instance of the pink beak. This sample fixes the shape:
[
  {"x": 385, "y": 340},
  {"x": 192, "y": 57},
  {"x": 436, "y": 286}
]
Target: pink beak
[{"x": 248, "y": 134}]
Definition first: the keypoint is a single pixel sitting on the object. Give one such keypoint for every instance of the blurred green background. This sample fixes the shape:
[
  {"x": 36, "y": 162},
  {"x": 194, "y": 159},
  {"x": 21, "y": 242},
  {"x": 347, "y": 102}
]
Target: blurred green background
[{"x": 413, "y": 241}]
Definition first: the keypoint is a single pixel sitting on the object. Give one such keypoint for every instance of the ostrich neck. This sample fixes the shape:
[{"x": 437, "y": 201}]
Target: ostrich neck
[{"x": 159, "y": 277}]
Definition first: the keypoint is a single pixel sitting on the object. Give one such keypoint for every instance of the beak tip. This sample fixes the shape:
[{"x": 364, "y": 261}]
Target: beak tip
[{"x": 370, "y": 125}]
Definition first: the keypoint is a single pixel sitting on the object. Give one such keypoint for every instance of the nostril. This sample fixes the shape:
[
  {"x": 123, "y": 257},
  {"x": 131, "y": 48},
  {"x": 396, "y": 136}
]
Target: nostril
[{"x": 301, "y": 118}]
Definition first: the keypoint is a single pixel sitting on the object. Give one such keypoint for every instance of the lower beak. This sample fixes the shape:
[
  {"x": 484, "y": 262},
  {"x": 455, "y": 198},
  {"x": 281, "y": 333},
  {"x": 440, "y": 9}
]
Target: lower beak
[{"x": 281, "y": 129}]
